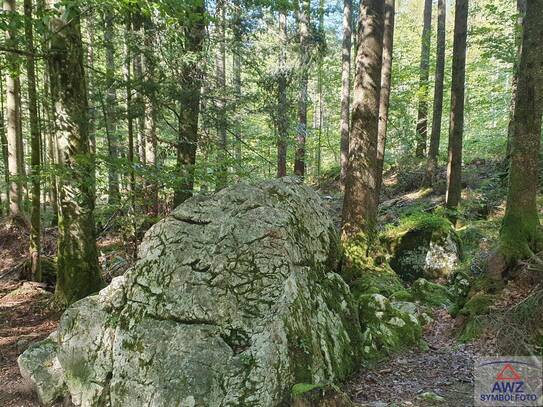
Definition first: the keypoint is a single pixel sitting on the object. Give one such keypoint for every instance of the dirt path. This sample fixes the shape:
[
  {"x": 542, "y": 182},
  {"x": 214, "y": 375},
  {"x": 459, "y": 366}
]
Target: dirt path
[
  {"x": 444, "y": 369},
  {"x": 24, "y": 318}
]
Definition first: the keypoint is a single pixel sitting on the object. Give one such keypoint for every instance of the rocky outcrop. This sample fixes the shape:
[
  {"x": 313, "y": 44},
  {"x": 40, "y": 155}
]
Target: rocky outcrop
[{"x": 233, "y": 301}]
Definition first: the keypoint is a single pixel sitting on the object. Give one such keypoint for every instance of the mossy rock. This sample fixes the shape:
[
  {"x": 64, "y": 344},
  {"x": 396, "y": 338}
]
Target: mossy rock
[
  {"x": 477, "y": 305},
  {"x": 423, "y": 245},
  {"x": 366, "y": 271},
  {"x": 432, "y": 294},
  {"x": 386, "y": 328},
  {"x": 459, "y": 285}
]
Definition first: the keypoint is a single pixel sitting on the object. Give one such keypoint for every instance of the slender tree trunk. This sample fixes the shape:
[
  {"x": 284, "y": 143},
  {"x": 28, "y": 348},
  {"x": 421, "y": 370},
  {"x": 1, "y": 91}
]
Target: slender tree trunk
[
  {"x": 150, "y": 116},
  {"x": 111, "y": 112},
  {"x": 520, "y": 235},
  {"x": 4, "y": 141},
  {"x": 282, "y": 108},
  {"x": 90, "y": 79},
  {"x": 78, "y": 271},
  {"x": 345, "y": 87},
  {"x": 236, "y": 73},
  {"x": 139, "y": 103},
  {"x": 12, "y": 118},
  {"x": 422, "y": 117},
  {"x": 384, "y": 99},
  {"x": 360, "y": 203},
  {"x": 130, "y": 114},
  {"x": 35, "y": 223},
  {"x": 189, "y": 104},
  {"x": 301, "y": 132},
  {"x": 521, "y": 9},
  {"x": 435, "y": 136},
  {"x": 456, "y": 127},
  {"x": 222, "y": 175}
]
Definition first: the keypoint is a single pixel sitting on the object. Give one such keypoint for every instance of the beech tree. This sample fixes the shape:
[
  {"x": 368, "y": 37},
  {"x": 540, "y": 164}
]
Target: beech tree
[{"x": 360, "y": 203}]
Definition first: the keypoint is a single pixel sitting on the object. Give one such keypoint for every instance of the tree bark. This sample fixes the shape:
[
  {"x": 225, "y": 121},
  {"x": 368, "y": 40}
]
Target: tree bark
[
  {"x": 150, "y": 116},
  {"x": 422, "y": 117},
  {"x": 14, "y": 144},
  {"x": 345, "y": 88},
  {"x": 360, "y": 204},
  {"x": 35, "y": 223},
  {"x": 301, "y": 132},
  {"x": 78, "y": 271},
  {"x": 384, "y": 99},
  {"x": 520, "y": 235},
  {"x": 222, "y": 175},
  {"x": 521, "y": 9},
  {"x": 189, "y": 103},
  {"x": 456, "y": 127},
  {"x": 282, "y": 109},
  {"x": 435, "y": 136},
  {"x": 111, "y": 112},
  {"x": 237, "y": 28}
]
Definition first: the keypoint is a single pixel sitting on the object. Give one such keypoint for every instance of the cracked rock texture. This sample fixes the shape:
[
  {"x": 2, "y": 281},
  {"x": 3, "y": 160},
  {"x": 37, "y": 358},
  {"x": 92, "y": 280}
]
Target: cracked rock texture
[{"x": 233, "y": 300}]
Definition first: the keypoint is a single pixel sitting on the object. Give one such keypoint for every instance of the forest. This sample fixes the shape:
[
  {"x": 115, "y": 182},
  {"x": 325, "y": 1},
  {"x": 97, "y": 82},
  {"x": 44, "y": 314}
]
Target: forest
[{"x": 271, "y": 203}]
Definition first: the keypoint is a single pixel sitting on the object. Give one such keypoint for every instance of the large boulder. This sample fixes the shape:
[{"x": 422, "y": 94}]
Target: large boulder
[
  {"x": 233, "y": 300},
  {"x": 423, "y": 245}
]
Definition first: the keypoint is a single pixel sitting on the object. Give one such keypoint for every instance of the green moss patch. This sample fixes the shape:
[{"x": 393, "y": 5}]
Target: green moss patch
[
  {"x": 386, "y": 328},
  {"x": 432, "y": 294}
]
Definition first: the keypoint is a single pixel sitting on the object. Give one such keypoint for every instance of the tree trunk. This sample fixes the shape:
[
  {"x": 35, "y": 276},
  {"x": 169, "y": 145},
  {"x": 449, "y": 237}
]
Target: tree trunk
[
  {"x": 111, "y": 112},
  {"x": 150, "y": 117},
  {"x": 189, "y": 104},
  {"x": 384, "y": 99},
  {"x": 520, "y": 235},
  {"x": 35, "y": 226},
  {"x": 78, "y": 271},
  {"x": 12, "y": 118},
  {"x": 222, "y": 174},
  {"x": 301, "y": 132},
  {"x": 521, "y": 9},
  {"x": 435, "y": 136},
  {"x": 422, "y": 117},
  {"x": 139, "y": 103},
  {"x": 282, "y": 108},
  {"x": 360, "y": 203},
  {"x": 345, "y": 87},
  {"x": 237, "y": 28},
  {"x": 456, "y": 127},
  {"x": 4, "y": 142}
]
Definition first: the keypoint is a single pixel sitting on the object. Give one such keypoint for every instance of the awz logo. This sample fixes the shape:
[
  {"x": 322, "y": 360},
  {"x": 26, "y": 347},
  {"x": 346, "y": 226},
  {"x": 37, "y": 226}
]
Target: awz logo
[{"x": 508, "y": 382}]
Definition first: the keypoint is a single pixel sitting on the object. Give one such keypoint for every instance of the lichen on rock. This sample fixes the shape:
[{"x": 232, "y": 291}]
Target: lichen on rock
[{"x": 233, "y": 300}]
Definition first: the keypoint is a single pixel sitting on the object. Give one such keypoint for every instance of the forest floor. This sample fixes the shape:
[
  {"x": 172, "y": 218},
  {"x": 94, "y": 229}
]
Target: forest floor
[{"x": 443, "y": 369}]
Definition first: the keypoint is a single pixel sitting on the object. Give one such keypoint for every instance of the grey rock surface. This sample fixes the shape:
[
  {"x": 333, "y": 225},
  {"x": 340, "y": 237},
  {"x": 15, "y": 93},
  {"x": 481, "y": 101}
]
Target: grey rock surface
[{"x": 233, "y": 300}]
